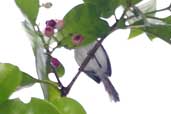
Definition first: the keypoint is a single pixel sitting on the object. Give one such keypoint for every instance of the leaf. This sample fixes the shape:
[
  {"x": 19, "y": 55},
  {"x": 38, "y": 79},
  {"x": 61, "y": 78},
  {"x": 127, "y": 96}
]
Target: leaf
[
  {"x": 60, "y": 70},
  {"x": 134, "y": 33},
  {"x": 68, "y": 106},
  {"x": 82, "y": 19},
  {"x": 41, "y": 61},
  {"x": 26, "y": 81},
  {"x": 121, "y": 24},
  {"x": 167, "y": 20},
  {"x": 40, "y": 57},
  {"x": 50, "y": 93},
  {"x": 161, "y": 31},
  {"x": 144, "y": 8},
  {"x": 105, "y": 7},
  {"x": 35, "y": 106},
  {"x": 29, "y": 8},
  {"x": 126, "y": 3},
  {"x": 54, "y": 94},
  {"x": 158, "y": 28},
  {"x": 150, "y": 36},
  {"x": 10, "y": 77}
]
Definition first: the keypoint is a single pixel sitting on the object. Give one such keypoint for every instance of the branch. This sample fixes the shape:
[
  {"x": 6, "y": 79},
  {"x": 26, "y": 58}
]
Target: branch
[
  {"x": 91, "y": 54},
  {"x": 53, "y": 84},
  {"x": 83, "y": 65},
  {"x": 152, "y": 12},
  {"x": 163, "y": 9}
]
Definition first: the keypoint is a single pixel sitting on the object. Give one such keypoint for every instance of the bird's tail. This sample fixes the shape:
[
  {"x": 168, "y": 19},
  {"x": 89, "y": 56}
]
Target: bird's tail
[{"x": 110, "y": 89}]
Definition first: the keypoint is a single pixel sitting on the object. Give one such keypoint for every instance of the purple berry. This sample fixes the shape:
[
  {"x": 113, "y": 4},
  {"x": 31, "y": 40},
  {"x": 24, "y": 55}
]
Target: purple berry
[
  {"x": 55, "y": 62},
  {"x": 52, "y": 23},
  {"x": 49, "y": 31}
]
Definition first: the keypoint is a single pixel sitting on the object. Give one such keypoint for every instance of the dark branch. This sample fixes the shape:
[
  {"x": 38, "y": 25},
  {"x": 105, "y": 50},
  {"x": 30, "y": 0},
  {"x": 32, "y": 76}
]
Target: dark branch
[{"x": 90, "y": 55}]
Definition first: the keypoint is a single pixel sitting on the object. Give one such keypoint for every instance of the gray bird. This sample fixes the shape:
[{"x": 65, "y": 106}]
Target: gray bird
[{"x": 98, "y": 68}]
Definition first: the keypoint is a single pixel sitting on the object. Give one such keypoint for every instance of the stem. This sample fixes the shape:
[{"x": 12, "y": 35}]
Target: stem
[
  {"x": 135, "y": 26},
  {"x": 47, "y": 82},
  {"x": 152, "y": 12},
  {"x": 163, "y": 9},
  {"x": 40, "y": 34},
  {"x": 57, "y": 77},
  {"x": 53, "y": 49},
  {"x": 154, "y": 18}
]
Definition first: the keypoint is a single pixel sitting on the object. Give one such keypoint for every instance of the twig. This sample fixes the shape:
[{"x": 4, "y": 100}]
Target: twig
[
  {"x": 53, "y": 84},
  {"x": 83, "y": 65},
  {"x": 57, "y": 77},
  {"x": 152, "y": 12},
  {"x": 91, "y": 53},
  {"x": 163, "y": 9}
]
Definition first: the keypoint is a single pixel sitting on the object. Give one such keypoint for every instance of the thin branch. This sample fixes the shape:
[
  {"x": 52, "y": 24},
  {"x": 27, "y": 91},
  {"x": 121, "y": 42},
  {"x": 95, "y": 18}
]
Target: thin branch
[
  {"x": 91, "y": 53},
  {"x": 151, "y": 17},
  {"x": 114, "y": 26},
  {"x": 53, "y": 84},
  {"x": 40, "y": 34},
  {"x": 152, "y": 12},
  {"x": 57, "y": 77},
  {"x": 83, "y": 65},
  {"x": 53, "y": 49},
  {"x": 160, "y": 10},
  {"x": 135, "y": 26}
]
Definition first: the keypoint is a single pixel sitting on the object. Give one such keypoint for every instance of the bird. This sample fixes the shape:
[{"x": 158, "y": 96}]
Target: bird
[{"x": 98, "y": 68}]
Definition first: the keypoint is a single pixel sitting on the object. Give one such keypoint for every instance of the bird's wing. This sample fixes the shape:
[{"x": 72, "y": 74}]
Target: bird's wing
[
  {"x": 109, "y": 68},
  {"x": 93, "y": 76}
]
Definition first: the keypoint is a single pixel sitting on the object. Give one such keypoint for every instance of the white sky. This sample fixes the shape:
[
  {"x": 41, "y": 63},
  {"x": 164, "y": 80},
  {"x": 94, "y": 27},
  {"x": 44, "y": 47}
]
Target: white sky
[{"x": 141, "y": 68}]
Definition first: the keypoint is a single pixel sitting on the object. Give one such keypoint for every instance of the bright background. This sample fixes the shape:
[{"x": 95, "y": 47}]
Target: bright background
[{"x": 141, "y": 68}]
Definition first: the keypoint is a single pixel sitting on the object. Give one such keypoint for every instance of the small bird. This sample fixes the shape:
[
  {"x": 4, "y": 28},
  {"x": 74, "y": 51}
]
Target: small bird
[{"x": 98, "y": 68}]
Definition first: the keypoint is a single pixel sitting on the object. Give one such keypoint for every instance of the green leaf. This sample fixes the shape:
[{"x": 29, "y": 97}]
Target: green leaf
[
  {"x": 35, "y": 106},
  {"x": 167, "y": 20},
  {"x": 49, "y": 92},
  {"x": 54, "y": 94},
  {"x": 161, "y": 31},
  {"x": 134, "y": 33},
  {"x": 60, "y": 70},
  {"x": 151, "y": 36},
  {"x": 121, "y": 24},
  {"x": 105, "y": 7},
  {"x": 126, "y": 3},
  {"x": 144, "y": 8},
  {"x": 40, "y": 57},
  {"x": 29, "y": 8},
  {"x": 26, "y": 81},
  {"x": 68, "y": 106},
  {"x": 10, "y": 77},
  {"x": 82, "y": 19}
]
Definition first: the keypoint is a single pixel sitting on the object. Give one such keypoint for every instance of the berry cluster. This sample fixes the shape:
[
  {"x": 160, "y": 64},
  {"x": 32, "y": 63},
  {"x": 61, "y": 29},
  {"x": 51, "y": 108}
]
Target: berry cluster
[
  {"x": 49, "y": 31},
  {"x": 51, "y": 25}
]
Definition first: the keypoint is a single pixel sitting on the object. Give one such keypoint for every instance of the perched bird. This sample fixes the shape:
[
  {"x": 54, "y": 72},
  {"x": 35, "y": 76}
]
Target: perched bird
[{"x": 98, "y": 68}]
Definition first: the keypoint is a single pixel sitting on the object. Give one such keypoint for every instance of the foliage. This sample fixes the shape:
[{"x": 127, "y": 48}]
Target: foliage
[
  {"x": 82, "y": 25},
  {"x": 83, "y": 19}
]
